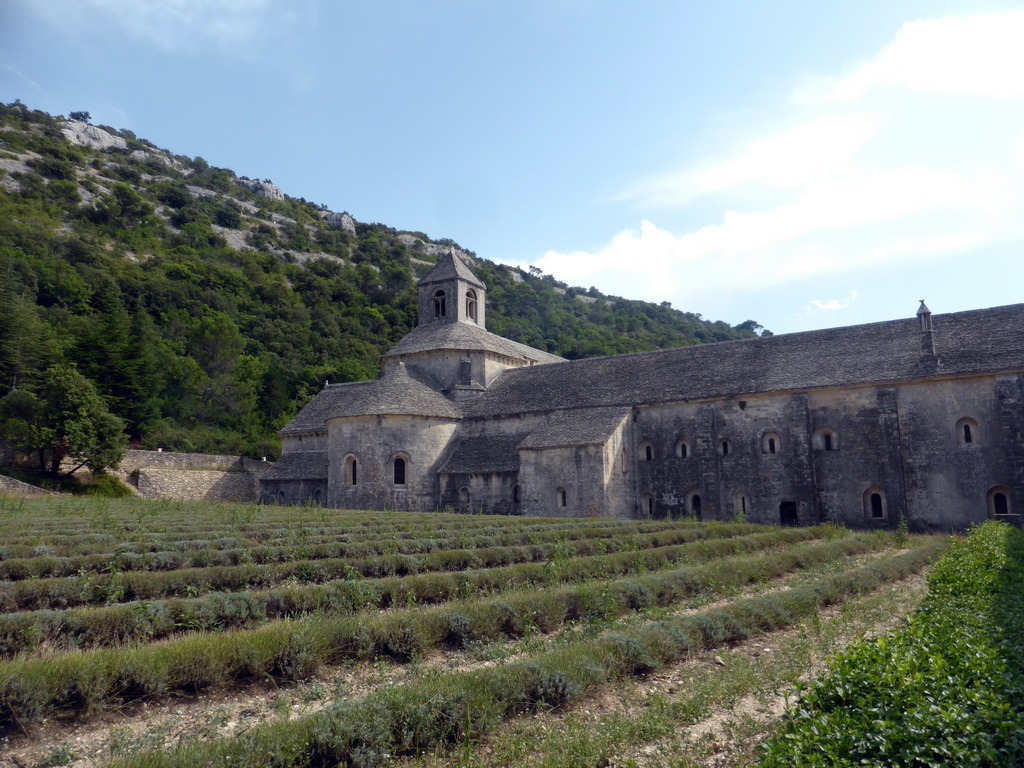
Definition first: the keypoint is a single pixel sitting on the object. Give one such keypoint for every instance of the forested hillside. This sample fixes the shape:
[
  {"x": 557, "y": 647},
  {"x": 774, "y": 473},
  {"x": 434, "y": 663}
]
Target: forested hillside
[{"x": 206, "y": 308}]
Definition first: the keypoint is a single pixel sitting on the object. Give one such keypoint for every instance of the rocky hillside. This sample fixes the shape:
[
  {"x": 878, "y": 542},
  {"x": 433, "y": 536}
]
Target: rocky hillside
[{"x": 207, "y": 307}]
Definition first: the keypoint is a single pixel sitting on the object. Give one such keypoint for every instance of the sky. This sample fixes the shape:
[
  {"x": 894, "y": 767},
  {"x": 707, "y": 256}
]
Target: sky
[{"x": 804, "y": 164}]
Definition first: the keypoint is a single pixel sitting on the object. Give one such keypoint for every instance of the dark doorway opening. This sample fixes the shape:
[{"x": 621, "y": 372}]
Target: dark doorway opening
[{"x": 787, "y": 513}]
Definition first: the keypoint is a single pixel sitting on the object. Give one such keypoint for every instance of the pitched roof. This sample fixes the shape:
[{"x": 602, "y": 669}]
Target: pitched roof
[
  {"x": 978, "y": 341},
  {"x": 490, "y": 453},
  {"x": 298, "y": 465},
  {"x": 587, "y": 426},
  {"x": 449, "y": 267},
  {"x": 405, "y": 391},
  {"x": 467, "y": 336}
]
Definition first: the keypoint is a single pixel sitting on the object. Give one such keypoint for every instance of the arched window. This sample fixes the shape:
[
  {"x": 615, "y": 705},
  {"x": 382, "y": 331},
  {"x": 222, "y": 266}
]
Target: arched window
[
  {"x": 440, "y": 304},
  {"x": 998, "y": 499},
  {"x": 515, "y": 494},
  {"x": 742, "y": 504},
  {"x": 693, "y": 506},
  {"x": 825, "y": 439},
  {"x": 560, "y": 498},
  {"x": 471, "y": 305},
  {"x": 317, "y": 497},
  {"x": 647, "y": 505},
  {"x": 682, "y": 449},
  {"x": 646, "y": 451},
  {"x": 399, "y": 470},
  {"x": 280, "y": 497},
  {"x": 875, "y": 507},
  {"x": 771, "y": 443},
  {"x": 464, "y": 495},
  {"x": 967, "y": 431},
  {"x": 351, "y": 471},
  {"x": 723, "y": 447}
]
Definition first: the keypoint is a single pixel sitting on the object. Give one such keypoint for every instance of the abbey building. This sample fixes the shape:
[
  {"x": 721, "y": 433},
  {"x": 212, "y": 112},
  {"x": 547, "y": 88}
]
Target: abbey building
[{"x": 920, "y": 418}]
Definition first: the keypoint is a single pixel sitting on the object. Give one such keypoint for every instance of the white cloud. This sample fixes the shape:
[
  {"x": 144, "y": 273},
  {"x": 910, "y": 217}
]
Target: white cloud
[
  {"x": 980, "y": 56},
  {"x": 831, "y": 305},
  {"x": 872, "y": 178},
  {"x": 169, "y": 23}
]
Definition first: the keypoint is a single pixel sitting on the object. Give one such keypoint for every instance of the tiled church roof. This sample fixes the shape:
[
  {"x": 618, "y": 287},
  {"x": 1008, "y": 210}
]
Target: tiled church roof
[
  {"x": 298, "y": 465},
  {"x": 432, "y": 336},
  {"x": 491, "y": 453},
  {"x": 587, "y": 426},
  {"x": 978, "y": 341},
  {"x": 405, "y": 391}
]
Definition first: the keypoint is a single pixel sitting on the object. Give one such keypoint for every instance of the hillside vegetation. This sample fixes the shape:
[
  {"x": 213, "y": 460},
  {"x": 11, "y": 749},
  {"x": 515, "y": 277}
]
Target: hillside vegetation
[{"x": 206, "y": 308}]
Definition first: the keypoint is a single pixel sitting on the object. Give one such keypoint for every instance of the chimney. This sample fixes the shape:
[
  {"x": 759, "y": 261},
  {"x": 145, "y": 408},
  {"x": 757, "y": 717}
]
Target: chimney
[{"x": 924, "y": 320}]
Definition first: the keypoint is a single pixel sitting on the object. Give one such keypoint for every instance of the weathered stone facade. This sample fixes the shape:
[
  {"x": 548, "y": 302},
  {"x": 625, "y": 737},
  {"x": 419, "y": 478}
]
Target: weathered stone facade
[{"x": 919, "y": 419}]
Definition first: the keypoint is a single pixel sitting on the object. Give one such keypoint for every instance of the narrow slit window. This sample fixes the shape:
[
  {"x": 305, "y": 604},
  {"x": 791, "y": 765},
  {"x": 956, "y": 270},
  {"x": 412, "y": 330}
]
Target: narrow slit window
[
  {"x": 828, "y": 442},
  {"x": 399, "y": 471}
]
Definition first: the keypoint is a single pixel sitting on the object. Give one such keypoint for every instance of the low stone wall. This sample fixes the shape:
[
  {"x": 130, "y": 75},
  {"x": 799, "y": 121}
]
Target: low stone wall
[
  {"x": 192, "y": 476},
  {"x": 197, "y": 484},
  {"x": 11, "y": 487}
]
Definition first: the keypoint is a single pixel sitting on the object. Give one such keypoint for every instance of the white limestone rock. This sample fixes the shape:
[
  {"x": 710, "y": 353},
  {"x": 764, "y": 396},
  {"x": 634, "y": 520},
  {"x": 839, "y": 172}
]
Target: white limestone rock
[
  {"x": 340, "y": 221},
  {"x": 262, "y": 188},
  {"x": 86, "y": 135}
]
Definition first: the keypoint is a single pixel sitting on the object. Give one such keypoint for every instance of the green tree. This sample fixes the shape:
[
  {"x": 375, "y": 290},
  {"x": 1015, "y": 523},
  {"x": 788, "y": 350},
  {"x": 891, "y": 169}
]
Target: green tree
[{"x": 67, "y": 420}]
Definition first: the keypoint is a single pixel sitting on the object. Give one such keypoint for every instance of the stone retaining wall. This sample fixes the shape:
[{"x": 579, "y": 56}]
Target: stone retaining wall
[{"x": 10, "y": 486}]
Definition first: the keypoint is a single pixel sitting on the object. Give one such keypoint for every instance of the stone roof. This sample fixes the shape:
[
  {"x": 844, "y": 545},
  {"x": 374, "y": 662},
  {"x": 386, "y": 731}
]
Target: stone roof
[
  {"x": 405, "y": 391},
  {"x": 298, "y": 465},
  {"x": 467, "y": 336},
  {"x": 587, "y": 426},
  {"x": 978, "y": 341},
  {"x": 449, "y": 267},
  {"x": 488, "y": 453}
]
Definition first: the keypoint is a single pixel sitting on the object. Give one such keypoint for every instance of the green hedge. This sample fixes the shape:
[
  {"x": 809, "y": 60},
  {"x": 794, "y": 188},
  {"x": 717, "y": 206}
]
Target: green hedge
[{"x": 946, "y": 689}]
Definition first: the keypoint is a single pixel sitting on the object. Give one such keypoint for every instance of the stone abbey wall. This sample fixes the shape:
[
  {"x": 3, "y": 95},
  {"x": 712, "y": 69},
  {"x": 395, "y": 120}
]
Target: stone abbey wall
[{"x": 904, "y": 443}]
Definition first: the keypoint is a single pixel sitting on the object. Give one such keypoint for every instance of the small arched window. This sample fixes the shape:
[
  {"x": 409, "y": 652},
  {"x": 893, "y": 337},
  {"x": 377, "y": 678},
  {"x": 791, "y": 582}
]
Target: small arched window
[
  {"x": 825, "y": 439},
  {"x": 682, "y": 449},
  {"x": 471, "y": 305},
  {"x": 693, "y": 506},
  {"x": 399, "y": 470},
  {"x": 351, "y": 471},
  {"x": 875, "y": 507},
  {"x": 440, "y": 304},
  {"x": 515, "y": 494},
  {"x": 317, "y": 497},
  {"x": 646, "y": 451},
  {"x": 998, "y": 499},
  {"x": 742, "y": 504},
  {"x": 560, "y": 498},
  {"x": 464, "y": 495},
  {"x": 647, "y": 504},
  {"x": 723, "y": 447},
  {"x": 967, "y": 431},
  {"x": 771, "y": 443},
  {"x": 280, "y": 497}
]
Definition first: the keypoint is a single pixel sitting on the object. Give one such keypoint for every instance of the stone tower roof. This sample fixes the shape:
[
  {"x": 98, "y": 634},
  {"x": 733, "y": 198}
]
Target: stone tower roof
[
  {"x": 450, "y": 267},
  {"x": 466, "y": 336}
]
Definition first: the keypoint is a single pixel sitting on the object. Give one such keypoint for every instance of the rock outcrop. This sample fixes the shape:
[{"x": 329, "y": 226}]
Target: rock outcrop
[
  {"x": 86, "y": 135},
  {"x": 340, "y": 221},
  {"x": 262, "y": 188}
]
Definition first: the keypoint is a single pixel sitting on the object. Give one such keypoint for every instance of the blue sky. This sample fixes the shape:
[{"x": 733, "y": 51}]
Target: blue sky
[{"x": 803, "y": 164}]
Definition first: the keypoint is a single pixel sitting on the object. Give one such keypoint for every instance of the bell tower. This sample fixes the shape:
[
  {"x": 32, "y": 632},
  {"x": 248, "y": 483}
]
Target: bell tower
[{"x": 451, "y": 293}]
